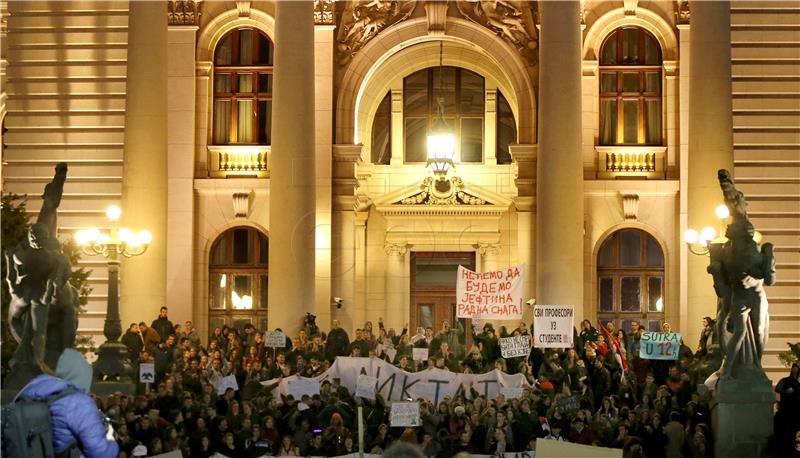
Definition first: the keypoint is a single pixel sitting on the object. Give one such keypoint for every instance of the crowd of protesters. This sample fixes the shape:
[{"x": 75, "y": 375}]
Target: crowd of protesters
[{"x": 649, "y": 408}]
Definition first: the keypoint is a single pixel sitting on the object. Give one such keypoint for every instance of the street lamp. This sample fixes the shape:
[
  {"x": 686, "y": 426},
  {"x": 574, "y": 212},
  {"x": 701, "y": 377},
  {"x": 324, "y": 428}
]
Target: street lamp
[
  {"x": 440, "y": 141},
  {"x": 699, "y": 242},
  {"x": 113, "y": 364}
]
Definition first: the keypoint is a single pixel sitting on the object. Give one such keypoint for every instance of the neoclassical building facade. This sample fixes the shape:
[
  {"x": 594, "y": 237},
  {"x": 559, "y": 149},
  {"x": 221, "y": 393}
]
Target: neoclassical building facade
[{"x": 277, "y": 151}]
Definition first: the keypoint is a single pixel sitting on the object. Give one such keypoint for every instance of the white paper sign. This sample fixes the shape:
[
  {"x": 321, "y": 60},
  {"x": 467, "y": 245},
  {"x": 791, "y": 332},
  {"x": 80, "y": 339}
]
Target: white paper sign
[
  {"x": 419, "y": 354},
  {"x": 222, "y": 384},
  {"x": 552, "y": 326},
  {"x": 495, "y": 295},
  {"x": 301, "y": 386},
  {"x": 275, "y": 339},
  {"x": 511, "y": 392},
  {"x": 512, "y": 347},
  {"x": 405, "y": 414},
  {"x": 147, "y": 372},
  {"x": 365, "y": 386}
]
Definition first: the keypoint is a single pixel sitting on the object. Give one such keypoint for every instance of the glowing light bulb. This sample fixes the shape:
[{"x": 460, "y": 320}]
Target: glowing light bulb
[
  {"x": 124, "y": 234},
  {"x": 660, "y": 304},
  {"x": 722, "y": 212},
  {"x": 113, "y": 212},
  {"x": 145, "y": 237},
  {"x": 691, "y": 236},
  {"x": 81, "y": 237},
  {"x": 707, "y": 234}
]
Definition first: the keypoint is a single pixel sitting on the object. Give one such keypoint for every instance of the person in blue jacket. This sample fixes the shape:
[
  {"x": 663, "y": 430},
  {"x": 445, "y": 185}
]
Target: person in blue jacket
[{"x": 75, "y": 417}]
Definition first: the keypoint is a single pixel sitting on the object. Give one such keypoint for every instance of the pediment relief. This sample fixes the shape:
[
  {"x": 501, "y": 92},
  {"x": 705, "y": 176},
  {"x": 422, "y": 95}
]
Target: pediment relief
[{"x": 451, "y": 196}]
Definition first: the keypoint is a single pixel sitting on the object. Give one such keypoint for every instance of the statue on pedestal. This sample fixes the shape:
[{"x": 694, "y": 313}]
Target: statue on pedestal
[
  {"x": 740, "y": 270},
  {"x": 38, "y": 280}
]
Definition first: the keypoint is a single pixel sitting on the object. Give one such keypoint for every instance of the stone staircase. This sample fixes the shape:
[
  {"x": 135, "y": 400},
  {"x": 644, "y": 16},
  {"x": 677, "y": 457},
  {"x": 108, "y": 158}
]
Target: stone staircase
[
  {"x": 65, "y": 86},
  {"x": 766, "y": 136}
]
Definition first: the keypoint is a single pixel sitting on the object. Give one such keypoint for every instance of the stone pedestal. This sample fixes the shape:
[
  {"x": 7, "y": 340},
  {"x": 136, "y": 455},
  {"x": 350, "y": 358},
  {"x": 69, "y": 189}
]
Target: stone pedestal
[{"x": 741, "y": 417}]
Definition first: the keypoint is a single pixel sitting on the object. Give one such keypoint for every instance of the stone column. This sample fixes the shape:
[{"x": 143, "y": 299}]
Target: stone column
[
  {"x": 180, "y": 171},
  {"x": 396, "y": 312},
  {"x": 144, "y": 173},
  {"x": 292, "y": 174},
  {"x": 710, "y": 142},
  {"x": 559, "y": 190}
]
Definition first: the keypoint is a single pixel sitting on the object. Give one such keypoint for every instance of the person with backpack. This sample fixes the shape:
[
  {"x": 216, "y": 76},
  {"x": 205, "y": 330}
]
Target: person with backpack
[{"x": 54, "y": 417}]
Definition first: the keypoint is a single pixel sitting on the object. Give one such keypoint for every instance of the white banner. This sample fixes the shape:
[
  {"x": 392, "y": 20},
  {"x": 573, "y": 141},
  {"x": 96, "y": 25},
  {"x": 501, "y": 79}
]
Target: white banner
[
  {"x": 301, "y": 385},
  {"x": 275, "y": 339},
  {"x": 419, "y": 354},
  {"x": 365, "y": 386},
  {"x": 512, "y": 392},
  {"x": 223, "y": 383},
  {"x": 495, "y": 295},
  {"x": 511, "y": 347},
  {"x": 395, "y": 384},
  {"x": 405, "y": 414},
  {"x": 552, "y": 326}
]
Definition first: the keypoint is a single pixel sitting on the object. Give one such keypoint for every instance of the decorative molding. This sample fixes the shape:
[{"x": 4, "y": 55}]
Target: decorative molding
[
  {"x": 630, "y": 7},
  {"x": 630, "y": 206},
  {"x": 323, "y": 12},
  {"x": 364, "y": 20},
  {"x": 395, "y": 249},
  {"x": 183, "y": 12},
  {"x": 436, "y": 12},
  {"x": 241, "y": 203},
  {"x": 442, "y": 192},
  {"x": 244, "y": 8},
  {"x": 682, "y": 12},
  {"x": 487, "y": 248},
  {"x": 512, "y": 21}
]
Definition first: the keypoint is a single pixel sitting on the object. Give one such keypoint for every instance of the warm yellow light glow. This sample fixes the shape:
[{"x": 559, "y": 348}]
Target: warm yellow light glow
[
  {"x": 758, "y": 237},
  {"x": 722, "y": 212},
  {"x": 81, "y": 237},
  {"x": 690, "y": 236},
  {"x": 223, "y": 280},
  {"x": 124, "y": 234},
  {"x": 145, "y": 237},
  {"x": 441, "y": 148},
  {"x": 92, "y": 234},
  {"x": 103, "y": 239},
  {"x": 113, "y": 212},
  {"x": 660, "y": 304},
  {"x": 707, "y": 234},
  {"x": 241, "y": 303}
]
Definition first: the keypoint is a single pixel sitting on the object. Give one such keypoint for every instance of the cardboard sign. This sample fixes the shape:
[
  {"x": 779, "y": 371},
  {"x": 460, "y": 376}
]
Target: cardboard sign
[
  {"x": 419, "y": 354},
  {"x": 495, "y": 295},
  {"x": 222, "y": 384},
  {"x": 405, "y": 414},
  {"x": 512, "y": 347},
  {"x": 147, "y": 372},
  {"x": 512, "y": 392},
  {"x": 301, "y": 386},
  {"x": 274, "y": 339},
  {"x": 659, "y": 345},
  {"x": 365, "y": 386},
  {"x": 568, "y": 404},
  {"x": 552, "y": 326}
]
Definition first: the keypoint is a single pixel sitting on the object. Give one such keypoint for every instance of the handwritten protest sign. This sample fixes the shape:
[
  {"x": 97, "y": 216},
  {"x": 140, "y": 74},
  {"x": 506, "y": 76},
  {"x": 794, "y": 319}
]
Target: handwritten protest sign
[
  {"x": 223, "y": 383},
  {"x": 275, "y": 339},
  {"x": 365, "y": 386},
  {"x": 659, "y": 345},
  {"x": 568, "y": 403},
  {"x": 495, "y": 295},
  {"x": 405, "y": 414},
  {"x": 511, "y": 347},
  {"x": 552, "y": 326},
  {"x": 301, "y": 386},
  {"x": 512, "y": 392},
  {"x": 419, "y": 354},
  {"x": 147, "y": 372}
]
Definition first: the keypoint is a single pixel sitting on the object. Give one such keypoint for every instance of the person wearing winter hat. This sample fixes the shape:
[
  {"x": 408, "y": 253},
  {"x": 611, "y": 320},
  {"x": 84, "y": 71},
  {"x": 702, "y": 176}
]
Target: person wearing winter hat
[{"x": 76, "y": 420}]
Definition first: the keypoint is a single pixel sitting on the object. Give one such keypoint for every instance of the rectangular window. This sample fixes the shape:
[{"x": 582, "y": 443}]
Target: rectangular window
[
  {"x": 608, "y": 83},
  {"x": 263, "y": 291},
  {"x": 222, "y": 121},
  {"x": 655, "y": 294},
  {"x": 245, "y": 82},
  {"x": 222, "y": 82},
  {"x": 426, "y": 315},
  {"x": 630, "y": 82},
  {"x": 630, "y": 116},
  {"x": 415, "y": 93},
  {"x": 218, "y": 284},
  {"x": 630, "y": 248},
  {"x": 264, "y": 122},
  {"x": 242, "y": 294},
  {"x": 245, "y": 47},
  {"x": 608, "y": 122},
  {"x": 606, "y": 294},
  {"x": 630, "y": 294},
  {"x": 264, "y": 82},
  {"x": 472, "y": 140},
  {"x": 416, "y": 130},
  {"x": 472, "y": 95},
  {"x": 241, "y": 246},
  {"x": 652, "y": 118},
  {"x": 244, "y": 132}
]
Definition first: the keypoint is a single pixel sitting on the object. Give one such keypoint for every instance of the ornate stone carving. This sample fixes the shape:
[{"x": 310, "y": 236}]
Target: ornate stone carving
[
  {"x": 241, "y": 203},
  {"x": 487, "y": 249},
  {"x": 183, "y": 12},
  {"x": 442, "y": 192},
  {"x": 630, "y": 206},
  {"x": 244, "y": 8},
  {"x": 509, "y": 19},
  {"x": 323, "y": 12},
  {"x": 682, "y": 12},
  {"x": 395, "y": 249},
  {"x": 363, "y": 20},
  {"x": 436, "y": 12},
  {"x": 630, "y": 7}
]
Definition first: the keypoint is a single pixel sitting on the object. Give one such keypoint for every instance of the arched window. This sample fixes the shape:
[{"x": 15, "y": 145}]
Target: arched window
[
  {"x": 506, "y": 129},
  {"x": 464, "y": 102},
  {"x": 243, "y": 88},
  {"x": 382, "y": 132},
  {"x": 630, "y": 88},
  {"x": 630, "y": 280},
  {"x": 238, "y": 278}
]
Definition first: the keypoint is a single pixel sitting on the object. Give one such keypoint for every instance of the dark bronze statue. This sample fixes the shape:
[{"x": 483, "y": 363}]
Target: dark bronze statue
[
  {"x": 740, "y": 270},
  {"x": 42, "y": 314}
]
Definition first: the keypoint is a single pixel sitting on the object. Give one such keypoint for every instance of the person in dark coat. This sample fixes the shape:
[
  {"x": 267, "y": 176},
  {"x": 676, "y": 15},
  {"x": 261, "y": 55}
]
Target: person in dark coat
[
  {"x": 75, "y": 416},
  {"x": 133, "y": 340},
  {"x": 162, "y": 325},
  {"x": 338, "y": 342}
]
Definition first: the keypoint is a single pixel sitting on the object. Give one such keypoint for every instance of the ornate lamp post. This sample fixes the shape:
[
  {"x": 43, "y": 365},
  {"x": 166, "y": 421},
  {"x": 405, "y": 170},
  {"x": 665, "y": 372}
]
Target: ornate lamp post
[
  {"x": 113, "y": 364},
  {"x": 699, "y": 243}
]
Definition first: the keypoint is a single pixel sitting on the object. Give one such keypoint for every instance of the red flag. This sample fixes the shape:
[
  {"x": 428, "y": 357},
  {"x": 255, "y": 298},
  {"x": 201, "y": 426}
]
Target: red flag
[{"x": 614, "y": 345}]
